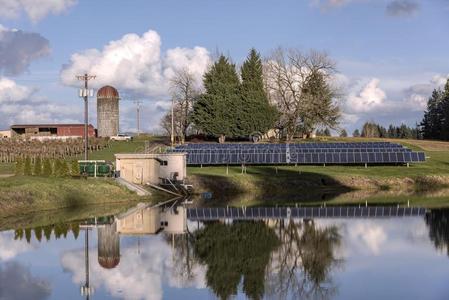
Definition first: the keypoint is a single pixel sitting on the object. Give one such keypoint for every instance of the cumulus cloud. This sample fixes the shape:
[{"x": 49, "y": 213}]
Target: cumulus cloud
[
  {"x": 399, "y": 8},
  {"x": 139, "y": 275},
  {"x": 19, "y": 48},
  {"x": 368, "y": 100},
  {"x": 16, "y": 282},
  {"x": 371, "y": 97},
  {"x": 135, "y": 63},
  {"x": 34, "y": 9},
  {"x": 21, "y": 104},
  {"x": 10, "y": 248}
]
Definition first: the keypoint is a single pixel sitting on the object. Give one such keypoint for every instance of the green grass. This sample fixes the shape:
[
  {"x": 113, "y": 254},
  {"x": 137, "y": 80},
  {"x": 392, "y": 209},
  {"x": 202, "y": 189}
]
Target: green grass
[
  {"x": 6, "y": 168},
  {"x": 22, "y": 194},
  {"x": 137, "y": 145}
]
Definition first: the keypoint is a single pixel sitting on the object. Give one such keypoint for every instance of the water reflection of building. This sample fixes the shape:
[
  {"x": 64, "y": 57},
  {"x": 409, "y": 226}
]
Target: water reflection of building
[
  {"x": 151, "y": 220},
  {"x": 108, "y": 246}
]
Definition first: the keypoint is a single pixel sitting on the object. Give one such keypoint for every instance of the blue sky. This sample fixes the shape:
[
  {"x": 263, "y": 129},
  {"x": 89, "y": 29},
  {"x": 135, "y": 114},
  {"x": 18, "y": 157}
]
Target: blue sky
[{"x": 390, "y": 53}]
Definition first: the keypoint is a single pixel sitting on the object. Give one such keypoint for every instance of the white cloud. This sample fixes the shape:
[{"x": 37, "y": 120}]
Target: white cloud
[
  {"x": 11, "y": 92},
  {"x": 10, "y": 248},
  {"x": 370, "y": 97},
  {"x": 20, "y": 104},
  {"x": 398, "y": 8},
  {"x": 368, "y": 235},
  {"x": 35, "y": 9},
  {"x": 138, "y": 275},
  {"x": 19, "y": 48},
  {"x": 135, "y": 63}
]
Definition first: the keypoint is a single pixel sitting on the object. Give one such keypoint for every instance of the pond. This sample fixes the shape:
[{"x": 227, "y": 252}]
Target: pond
[{"x": 175, "y": 252}]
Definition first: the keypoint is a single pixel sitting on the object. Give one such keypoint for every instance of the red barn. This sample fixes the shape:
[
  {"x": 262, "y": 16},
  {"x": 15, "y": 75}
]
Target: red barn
[{"x": 51, "y": 130}]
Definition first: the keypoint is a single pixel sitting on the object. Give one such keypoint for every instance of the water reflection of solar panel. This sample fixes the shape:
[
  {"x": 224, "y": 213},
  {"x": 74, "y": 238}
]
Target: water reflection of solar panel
[
  {"x": 305, "y": 153},
  {"x": 256, "y": 213}
]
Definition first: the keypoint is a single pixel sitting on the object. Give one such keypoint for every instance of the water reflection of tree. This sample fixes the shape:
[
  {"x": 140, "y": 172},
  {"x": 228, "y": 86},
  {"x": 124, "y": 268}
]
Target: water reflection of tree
[
  {"x": 235, "y": 252},
  {"x": 59, "y": 230},
  {"x": 275, "y": 259},
  {"x": 301, "y": 268},
  {"x": 184, "y": 262},
  {"x": 438, "y": 223}
]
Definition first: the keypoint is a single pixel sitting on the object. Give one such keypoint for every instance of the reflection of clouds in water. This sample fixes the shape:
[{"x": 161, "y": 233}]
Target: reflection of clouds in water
[
  {"x": 371, "y": 236},
  {"x": 10, "y": 248},
  {"x": 138, "y": 276},
  {"x": 16, "y": 282},
  {"x": 378, "y": 236}
]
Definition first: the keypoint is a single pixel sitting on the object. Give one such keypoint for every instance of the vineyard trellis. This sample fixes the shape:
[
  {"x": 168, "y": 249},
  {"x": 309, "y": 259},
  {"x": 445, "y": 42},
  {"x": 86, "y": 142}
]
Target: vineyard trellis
[{"x": 13, "y": 149}]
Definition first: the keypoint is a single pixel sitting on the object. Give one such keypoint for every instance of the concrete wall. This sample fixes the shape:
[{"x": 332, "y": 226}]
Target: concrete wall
[
  {"x": 176, "y": 163},
  {"x": 107, "y": 117}
]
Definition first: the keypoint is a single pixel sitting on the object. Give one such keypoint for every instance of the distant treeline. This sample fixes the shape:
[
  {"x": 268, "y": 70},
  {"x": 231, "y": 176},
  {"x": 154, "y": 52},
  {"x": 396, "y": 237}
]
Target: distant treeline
[
  {"x": 435, "y": 124},
  {"x": 374, "y": 130}
]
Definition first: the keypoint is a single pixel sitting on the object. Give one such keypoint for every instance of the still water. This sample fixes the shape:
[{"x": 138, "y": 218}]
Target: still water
[{"x": 166, "y": 253}]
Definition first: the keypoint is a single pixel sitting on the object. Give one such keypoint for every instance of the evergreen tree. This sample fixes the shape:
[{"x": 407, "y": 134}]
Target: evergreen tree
[
  {"x": 64, "y": 172},
  {"x": 27, "y": 166},
  {"x": 343, "y": 133},
  {"x": 318, "y": 101},
  {"x": 356, "y": 133},
  {"x": 47, "y": 231},
  {"x": 74, "y": 168},
  {"x": 444, "y": 112},
  {"x": 58, "y": 168},
  {"x": 432, "y": 122},
  {"x": 47, "y": 168},
  {"x": 327, "y": 132},
  {"x": 217, "y": 110},
  {"x": 37, "y": 167},
  {"x": 19, "y": 166},
  {"x": 256, "y": 114}
]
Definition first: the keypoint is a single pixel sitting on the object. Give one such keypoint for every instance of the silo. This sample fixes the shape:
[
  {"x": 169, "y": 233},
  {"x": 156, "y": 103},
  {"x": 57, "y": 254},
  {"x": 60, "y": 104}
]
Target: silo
[{"x": 107, "y": 111}]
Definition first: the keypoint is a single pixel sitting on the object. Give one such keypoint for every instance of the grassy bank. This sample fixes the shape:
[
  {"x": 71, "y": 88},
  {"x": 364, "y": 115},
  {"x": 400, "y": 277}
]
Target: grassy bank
[
  {"x": 424, "y": 184},
  {"x": 29, "y": 194}
]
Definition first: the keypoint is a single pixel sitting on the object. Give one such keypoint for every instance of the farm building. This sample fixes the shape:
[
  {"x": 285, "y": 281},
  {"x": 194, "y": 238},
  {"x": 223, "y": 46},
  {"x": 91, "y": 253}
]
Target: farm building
[
  {"x": 151, "y": 168},
  {"x": 51, "y": 130},
  {"x": 5, "y": 134}
]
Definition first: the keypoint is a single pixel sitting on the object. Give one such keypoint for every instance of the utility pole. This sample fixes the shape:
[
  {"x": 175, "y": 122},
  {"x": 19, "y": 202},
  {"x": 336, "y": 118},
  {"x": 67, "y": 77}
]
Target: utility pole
[
  {"x": 172, "y": 138},
  {"x": 84, "y": 93},
  {"x": 138, "y": 103}
]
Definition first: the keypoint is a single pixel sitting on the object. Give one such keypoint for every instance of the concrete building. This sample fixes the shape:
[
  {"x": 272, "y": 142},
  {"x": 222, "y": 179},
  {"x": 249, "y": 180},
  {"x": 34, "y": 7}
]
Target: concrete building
[
  {"x": 107, "y": 111},
  {"x": 5, "y": 134},
  {"x": 51, "y": 130},
  {"x": 150, "y": 168}
]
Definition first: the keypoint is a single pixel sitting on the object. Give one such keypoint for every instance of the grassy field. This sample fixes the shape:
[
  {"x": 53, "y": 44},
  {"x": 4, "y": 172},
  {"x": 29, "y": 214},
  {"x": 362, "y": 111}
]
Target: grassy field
[{"x": 421, "y": 184}]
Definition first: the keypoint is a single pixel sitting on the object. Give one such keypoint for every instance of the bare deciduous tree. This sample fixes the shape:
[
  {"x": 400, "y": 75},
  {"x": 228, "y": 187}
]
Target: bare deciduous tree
[
  {"x": 300, "y": 85},
  {"x": 184, "y": 89}
]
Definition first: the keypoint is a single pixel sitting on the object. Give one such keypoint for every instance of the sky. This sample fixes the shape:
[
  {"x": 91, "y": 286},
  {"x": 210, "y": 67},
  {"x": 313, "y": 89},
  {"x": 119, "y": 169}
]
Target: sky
[{"x": 390, "y": 54}]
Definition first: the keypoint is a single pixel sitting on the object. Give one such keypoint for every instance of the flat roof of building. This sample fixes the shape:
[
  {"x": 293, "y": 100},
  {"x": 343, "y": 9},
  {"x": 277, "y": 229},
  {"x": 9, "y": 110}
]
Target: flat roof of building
[{"x": 47, "y": 125}]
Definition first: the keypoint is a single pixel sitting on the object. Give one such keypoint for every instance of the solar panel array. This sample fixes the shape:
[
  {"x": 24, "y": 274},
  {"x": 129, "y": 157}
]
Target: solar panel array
[{"x": 304, "y": 153}]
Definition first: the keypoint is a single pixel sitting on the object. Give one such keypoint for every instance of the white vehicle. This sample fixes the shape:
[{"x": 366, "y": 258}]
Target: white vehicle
[{"x": 121, "y": 137}]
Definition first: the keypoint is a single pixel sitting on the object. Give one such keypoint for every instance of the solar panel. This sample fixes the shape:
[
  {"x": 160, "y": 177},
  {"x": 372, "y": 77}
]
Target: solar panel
[{"x": 304, "y": 153}]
